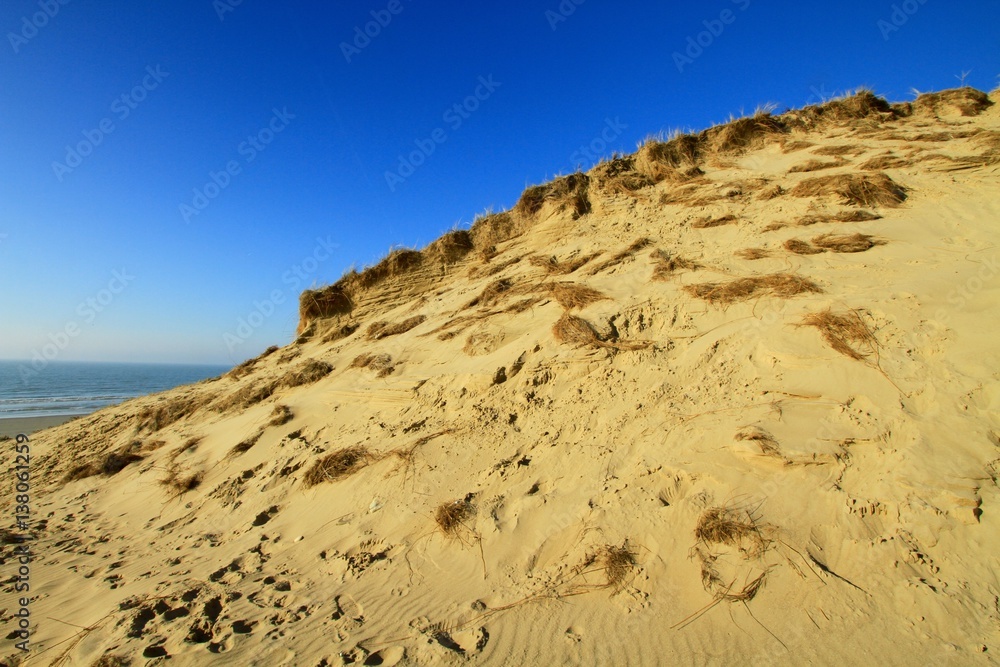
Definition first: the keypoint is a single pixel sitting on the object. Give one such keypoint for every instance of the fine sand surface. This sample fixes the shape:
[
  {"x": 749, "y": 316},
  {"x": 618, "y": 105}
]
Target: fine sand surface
[
  {"x": 27, "y": 425},
  {"x": 731, "y": 400}
]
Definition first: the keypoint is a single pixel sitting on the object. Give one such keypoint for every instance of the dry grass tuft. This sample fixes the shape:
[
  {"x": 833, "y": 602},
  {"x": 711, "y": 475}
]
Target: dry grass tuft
[
  {"x": 782, "y": 285},
  {"x": 566, "y": 192},
  {"x": 753, "y": 253},
  {"x": 815, "y": 165},
  {"x": 708, "y": 221},
  {"x": 733, "y": 527},
  {"x": 846, "y": 243},
  {"x": 282, "y": 415},
  {"x": 861, "y": 105},
  {"x": 620, "y": 176},
  {"x": 573, "y": 295},
  {"x": 337, "y": 466},
  {"x": 248, "y": 365},
  {"x": 800, "y": 247},
  {"x": 885, "y": 162},
  {"x": 667, "y": 265},
  {"x": 323, "y": 303},
  {"x": 451, "y": 517},
  {"x": 621, "y": 256},
  {"x": 180, "y": 484},
  {"x": 380, "y": 330},
  {"x": 854, "y": 189},
  {"x": 307, "y": 373},
  {"x": 576, "y": 331},
  {"x": 768, "y": 445},
  {"x": 771, "y": 192},
  {"x": 492, "y": 294},
  {"x": 847, "y": 333},
  {"x": 110, "y": 660},
  {"x": 450, "y": 248},
  {"x": 743, "y": 134},
  {"x": 618, "y": 562},
  {"x": 838, "y": 151},
  {"x": 245, "y": 397},
  {"x": 340, "y": 333},
  {"x": 966, "y": 101},
  {"x": 169, "y": 411},
  {"x": 492, "y": 229},
  {"x": 797, "y": 145},
  {"x": 381, "y": 363},
  {"x": 555, "y": 267},
  {"x": 245, "y": 446}
]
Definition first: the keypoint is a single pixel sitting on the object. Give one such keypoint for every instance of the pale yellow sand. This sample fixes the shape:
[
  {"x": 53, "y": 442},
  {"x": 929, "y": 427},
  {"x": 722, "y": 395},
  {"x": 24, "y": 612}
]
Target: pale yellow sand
[{"x": 861, "y": 493}]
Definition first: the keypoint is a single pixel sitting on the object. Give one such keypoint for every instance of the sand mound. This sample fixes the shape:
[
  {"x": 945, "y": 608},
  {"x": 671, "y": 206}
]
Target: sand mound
[{"x": 642, "y": 417}]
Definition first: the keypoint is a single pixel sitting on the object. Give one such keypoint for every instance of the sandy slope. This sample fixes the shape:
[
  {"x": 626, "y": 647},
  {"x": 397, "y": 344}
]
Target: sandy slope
[{"x": 856, "y": 498}]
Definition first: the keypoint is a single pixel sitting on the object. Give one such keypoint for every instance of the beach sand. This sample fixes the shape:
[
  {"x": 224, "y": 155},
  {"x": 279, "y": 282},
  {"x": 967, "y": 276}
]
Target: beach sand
[
  {"x": 28, "y": 425},
  {"x": 731, "y": 400}
]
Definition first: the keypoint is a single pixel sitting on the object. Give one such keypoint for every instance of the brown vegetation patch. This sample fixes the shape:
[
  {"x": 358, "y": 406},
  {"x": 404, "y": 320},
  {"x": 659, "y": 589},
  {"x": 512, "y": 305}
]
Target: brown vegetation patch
[
  {"x": 881, "y": 162},
  {"x": 815, "y": 165},
  {"x": 966, "y": 101},
  {"x": 620, "y": 176},
  {"x": 708, "y": 221},
  {"x": 743, "y": 134},
  {"x": 169, "y": 411},
  {"x": 861, "y": 105},
  {"x": 553, "y": 266},
  {"x": 248, "y": 365},
  {"x": 323, "y": 303},
  {"x": 337, "y": 466},
  {"x": 855, "y": 189},
  {"x": 179, "y": 484},
  {"x": 784, "y": 285},
  {"x": 617, "y": 562},
  {"x": 381, "y": 363},
  {"x": 492, "y": 293},
  {"x": 797, "y": 145},
  {"x": 771, "y": 192},
  {"x": 492, "y": 229},
  {"x": 800, "y": 247},
  {"x": 245, "y": 397},
  {"x": 846, "y": 243},
  {"x": 452, "y": 516},
  {"x": 282, "y": 415},
  {"x": 450, "y": 248},
  {"x": 566, "y": 192},
  {"x": 576, "y": 331},
  {"x": 846, "y": 333},
  {"x": 768, "y": 447},
  {"x": 307, "y": 373},
  {"x": 340, "y": 333},
  {"x": 838, "y": 150},
  {"x": 573, "y": 295},
  {"x": 667, "y": 265},
  {"x": 380, "y": 330},
  {"x": 753, "y": 253},
  {"x": 245, "y": 446},
  {"x": 621, "y": 256},
  {"x": 733, "y": 527}
]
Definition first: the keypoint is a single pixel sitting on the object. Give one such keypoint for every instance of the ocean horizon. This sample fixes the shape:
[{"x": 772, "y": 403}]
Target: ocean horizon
[{"x": 64, "y": 388}]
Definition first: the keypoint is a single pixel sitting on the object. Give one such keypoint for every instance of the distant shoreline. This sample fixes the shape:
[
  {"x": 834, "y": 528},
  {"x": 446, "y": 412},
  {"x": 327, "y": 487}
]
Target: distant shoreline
[{"x": 12, "y": 426}]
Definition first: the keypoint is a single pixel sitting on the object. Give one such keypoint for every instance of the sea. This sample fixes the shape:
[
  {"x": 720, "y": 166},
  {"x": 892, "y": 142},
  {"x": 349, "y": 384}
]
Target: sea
[{"x": 63, "y": 388}]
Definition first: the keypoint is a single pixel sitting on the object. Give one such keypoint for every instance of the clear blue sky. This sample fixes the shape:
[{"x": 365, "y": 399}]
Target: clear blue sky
[{"x": 196, "y": 87}]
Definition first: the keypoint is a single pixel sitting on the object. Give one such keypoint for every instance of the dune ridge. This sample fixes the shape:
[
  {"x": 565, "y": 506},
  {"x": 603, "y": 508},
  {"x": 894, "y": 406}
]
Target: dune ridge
[{"x": 730, "y": 399}]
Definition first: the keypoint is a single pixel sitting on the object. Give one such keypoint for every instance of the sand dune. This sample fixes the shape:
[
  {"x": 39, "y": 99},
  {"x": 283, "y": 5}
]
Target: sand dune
[{"x": 732, "y": 399}]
